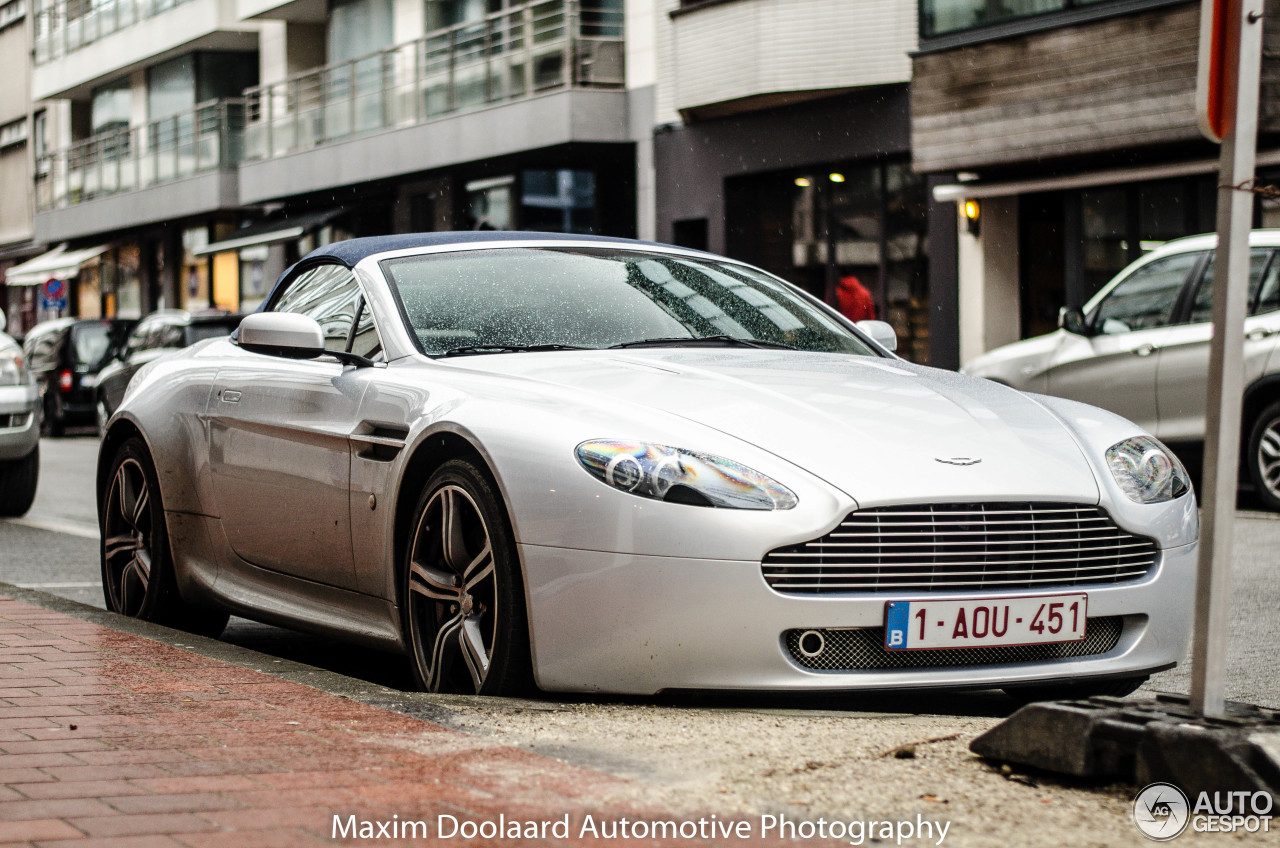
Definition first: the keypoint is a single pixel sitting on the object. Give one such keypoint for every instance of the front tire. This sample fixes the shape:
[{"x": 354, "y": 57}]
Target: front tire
[
  {"x": 18, "y": 479},
  {"x": 1263, "y": 456},
  {"x": 462, "y": 589},
  {"x": 137, "y": 565}
]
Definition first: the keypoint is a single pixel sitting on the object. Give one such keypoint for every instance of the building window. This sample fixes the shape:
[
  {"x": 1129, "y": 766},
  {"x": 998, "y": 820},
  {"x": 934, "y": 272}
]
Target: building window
[
  {"x": 12, "y": 12},
  {"x": 14, "y": 132},
  {"x": 941, "y": 17}
]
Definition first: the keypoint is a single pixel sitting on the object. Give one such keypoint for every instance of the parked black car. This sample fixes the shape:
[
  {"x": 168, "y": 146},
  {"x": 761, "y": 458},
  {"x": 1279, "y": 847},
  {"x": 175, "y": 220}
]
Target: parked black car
[
  {"x": 65, "y": 355},
  {"x": 155, "y": 335}
]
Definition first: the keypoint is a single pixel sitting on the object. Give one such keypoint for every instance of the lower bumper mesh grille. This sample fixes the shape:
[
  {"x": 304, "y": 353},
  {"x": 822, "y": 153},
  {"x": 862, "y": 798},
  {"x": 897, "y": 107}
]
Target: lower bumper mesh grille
[{"x": 863, "y": 649}]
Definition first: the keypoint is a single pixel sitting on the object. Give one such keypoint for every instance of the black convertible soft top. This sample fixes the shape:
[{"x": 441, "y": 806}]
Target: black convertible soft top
[{"x": 351, "y": 251}]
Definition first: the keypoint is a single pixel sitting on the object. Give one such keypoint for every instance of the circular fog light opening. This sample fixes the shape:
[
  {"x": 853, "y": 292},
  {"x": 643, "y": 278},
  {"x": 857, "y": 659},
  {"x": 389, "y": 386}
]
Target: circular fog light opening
[{"x": 812, "y": 643}]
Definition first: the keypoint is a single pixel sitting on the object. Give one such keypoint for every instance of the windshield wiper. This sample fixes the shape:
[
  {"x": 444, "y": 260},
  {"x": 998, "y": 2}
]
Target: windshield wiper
[
  {"x": 504, "y": 348},
  {"x": 681, "y": 341}
]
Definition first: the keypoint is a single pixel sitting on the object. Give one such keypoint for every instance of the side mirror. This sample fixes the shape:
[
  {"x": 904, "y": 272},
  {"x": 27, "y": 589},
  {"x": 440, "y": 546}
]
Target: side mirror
[
  {"x": 1071, "y": 319},
  {"x": 281, "y": 334},
  {"x": 881, "y": 332}
]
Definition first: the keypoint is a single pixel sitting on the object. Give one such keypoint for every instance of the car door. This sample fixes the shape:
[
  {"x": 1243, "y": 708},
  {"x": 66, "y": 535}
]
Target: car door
[
  {"x": 279, "y": 450},
  {"x": 1181, "y": 382},
  {"x": 1115, "y": 366}
]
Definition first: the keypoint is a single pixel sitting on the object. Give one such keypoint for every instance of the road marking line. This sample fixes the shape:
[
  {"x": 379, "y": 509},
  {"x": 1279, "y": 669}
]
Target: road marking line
[
  {"x": 57, "y": 525},
  {"x": 89, "y": 584}
]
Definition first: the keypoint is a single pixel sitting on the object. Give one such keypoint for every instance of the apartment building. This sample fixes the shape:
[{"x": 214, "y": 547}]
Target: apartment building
[
  {"x": 783, "y": 138},
  {"x": 197, "y": 147},
  {"x": 16, "y": 242},
  {"x": 1064, "y": 133}
]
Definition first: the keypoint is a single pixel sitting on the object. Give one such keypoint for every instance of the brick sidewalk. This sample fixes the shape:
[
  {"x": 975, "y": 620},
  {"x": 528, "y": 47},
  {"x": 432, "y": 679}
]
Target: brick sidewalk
[{"x": 111, "y": 739}]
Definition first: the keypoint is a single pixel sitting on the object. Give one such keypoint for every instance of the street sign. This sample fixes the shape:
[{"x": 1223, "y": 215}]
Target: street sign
[{"x": 53, "y": 295}]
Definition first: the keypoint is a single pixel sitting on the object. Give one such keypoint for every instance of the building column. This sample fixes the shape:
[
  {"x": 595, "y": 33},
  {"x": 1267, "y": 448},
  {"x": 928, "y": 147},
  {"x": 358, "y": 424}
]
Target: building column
[
  {"x": 940, "y": 240},
  {"x": 988, "y": 270}
]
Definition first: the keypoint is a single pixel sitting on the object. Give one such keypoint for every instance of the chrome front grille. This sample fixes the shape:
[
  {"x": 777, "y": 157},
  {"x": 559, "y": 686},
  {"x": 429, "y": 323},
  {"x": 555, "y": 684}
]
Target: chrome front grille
[
  {"x": 863, "y": 650},
  {"x": 995, "y": 546}
]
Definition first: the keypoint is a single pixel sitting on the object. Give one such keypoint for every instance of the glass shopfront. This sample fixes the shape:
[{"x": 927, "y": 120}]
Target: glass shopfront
[
  {"x": 819, "y": 226},
  {"x": 1073, "y": 242}
]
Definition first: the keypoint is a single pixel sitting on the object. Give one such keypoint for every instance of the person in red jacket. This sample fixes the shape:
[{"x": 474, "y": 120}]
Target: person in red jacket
[{"x": 853, "y": 299}]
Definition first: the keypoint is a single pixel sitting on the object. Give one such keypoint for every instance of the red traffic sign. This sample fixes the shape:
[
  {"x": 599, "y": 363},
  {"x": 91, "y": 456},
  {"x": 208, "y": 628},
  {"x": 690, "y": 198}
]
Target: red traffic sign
[
  {"x": 54, "y": 289},
  {"x": 1218, "y": 71}
]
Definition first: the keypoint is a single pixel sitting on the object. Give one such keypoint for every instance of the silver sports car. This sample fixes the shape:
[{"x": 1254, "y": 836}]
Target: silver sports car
[{"x": 595, "y": 464}]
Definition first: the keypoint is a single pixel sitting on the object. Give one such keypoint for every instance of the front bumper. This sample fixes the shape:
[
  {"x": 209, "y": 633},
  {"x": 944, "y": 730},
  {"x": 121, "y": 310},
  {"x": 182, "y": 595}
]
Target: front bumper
[
  {"x": 19, "y": 421},
  {"x": 640, "y": 624}
]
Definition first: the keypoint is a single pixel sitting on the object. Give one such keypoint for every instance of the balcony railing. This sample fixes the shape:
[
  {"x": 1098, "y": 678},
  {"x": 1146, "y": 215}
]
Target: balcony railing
[
  {"x": 523, "y": 51},
  {"x": 207, "y": 138},
  {"x": 63, "y": 26}
]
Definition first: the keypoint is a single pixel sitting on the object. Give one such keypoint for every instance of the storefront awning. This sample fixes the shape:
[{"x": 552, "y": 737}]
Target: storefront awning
[
  {"x": 57, "y": 264},
  {"x": 271, "y": 231}
]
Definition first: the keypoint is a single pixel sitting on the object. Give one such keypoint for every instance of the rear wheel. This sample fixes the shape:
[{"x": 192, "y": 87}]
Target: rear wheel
[
  {"x": 137, "y": 567},
  {"x": 1263, "y": 456},
  {"x": 462, "y": 590},
  {"x": 18, "y": 478},
  {"x": 1116, "y": 688}
]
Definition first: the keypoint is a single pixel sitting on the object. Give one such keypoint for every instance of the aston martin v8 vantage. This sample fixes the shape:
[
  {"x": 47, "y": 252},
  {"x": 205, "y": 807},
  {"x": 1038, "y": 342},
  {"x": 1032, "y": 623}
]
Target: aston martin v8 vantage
[{"x": 592, "y": 464}]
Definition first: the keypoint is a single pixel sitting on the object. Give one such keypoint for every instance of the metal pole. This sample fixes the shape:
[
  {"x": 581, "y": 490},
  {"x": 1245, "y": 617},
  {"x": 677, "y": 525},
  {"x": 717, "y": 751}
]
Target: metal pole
[{"x": 1226, "y": 371}]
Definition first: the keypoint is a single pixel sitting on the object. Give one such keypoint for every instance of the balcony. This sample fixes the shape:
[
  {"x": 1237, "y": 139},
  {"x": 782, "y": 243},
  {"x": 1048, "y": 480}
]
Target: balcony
[
  {"x": 78, "y": 44},
  {"x": 67, "y": 25},
  {"x": 179, "y": 166},
  {"x": 525, "y": 55},
  {"x": 735, "y": 57}
]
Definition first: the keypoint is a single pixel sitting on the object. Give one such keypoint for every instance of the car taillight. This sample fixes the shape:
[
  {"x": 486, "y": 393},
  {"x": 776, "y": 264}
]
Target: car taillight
[{"x": 64, "y": 381}]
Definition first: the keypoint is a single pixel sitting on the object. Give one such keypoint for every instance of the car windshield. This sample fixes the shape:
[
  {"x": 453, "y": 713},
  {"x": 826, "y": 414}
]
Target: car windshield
[
  {"x": 91, "y": 343},
  {"x": 503, "y": 299}
]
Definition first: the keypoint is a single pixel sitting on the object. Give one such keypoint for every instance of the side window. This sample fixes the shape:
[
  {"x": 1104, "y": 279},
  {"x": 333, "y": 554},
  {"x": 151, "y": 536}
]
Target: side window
[
  {"x": 330, "y": 295},
  {"x": 364, "y": 340},
  {"x": 1146, "y": 298},
  {"x": 137, "y": 339},
  {"x": 1266, "y": 298},
  {"x": 1202, "y": 305},
  {"x": 169, "y": 335}
]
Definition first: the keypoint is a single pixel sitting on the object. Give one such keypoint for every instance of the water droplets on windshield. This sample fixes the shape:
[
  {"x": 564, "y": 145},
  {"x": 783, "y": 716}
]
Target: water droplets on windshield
[{"x": 600, "y": 298}]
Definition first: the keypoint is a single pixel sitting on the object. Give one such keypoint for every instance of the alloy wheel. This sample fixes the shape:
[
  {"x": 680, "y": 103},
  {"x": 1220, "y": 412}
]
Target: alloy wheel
[
  {"x": 453, "y": 589},
  {"x": 128, "y": 535},
  {"x": 1269, "y": 457}
]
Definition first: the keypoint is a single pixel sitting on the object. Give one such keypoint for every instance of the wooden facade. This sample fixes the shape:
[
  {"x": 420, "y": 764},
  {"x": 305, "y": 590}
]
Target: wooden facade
[{"x": 1120, "y": 84}]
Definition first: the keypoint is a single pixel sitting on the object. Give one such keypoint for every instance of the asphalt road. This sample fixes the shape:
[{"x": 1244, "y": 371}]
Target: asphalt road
[{"x": 54, "y": 549}]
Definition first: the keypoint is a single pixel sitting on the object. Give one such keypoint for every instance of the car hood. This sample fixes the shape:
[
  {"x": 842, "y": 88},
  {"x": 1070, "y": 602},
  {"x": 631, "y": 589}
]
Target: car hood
[{"x": 883, "y": 431}]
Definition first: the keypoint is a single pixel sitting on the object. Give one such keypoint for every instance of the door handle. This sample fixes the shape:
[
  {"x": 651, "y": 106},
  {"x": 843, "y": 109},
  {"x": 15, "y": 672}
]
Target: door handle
[
  {"x": 1145, "y": 350},
  {"x": 1259, "y": 334}
]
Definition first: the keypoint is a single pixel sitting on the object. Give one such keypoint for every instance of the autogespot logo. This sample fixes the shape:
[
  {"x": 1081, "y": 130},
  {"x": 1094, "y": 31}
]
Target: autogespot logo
[{"x": 1161, "y": 811}]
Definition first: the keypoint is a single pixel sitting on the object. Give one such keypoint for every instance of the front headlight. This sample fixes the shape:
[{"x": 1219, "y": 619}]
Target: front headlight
[
  {"x": 12, "y": 370},
  {"x": 1146, "y": 470},
  {"x": 681, "y": 476}
]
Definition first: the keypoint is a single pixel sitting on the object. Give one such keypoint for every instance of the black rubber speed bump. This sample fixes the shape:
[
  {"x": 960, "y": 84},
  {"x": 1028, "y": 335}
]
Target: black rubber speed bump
[{"x": 1142, "y": 742}]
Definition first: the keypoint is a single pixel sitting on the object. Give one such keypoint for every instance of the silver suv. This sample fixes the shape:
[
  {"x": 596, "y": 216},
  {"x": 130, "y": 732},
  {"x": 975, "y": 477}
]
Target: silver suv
[
  {"x": 1140, "y": 347},
  {"x": 19, "y": 430}
]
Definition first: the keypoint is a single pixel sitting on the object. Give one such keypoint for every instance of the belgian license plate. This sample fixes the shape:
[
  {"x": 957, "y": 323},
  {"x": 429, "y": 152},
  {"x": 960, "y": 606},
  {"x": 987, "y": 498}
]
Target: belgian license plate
[{"x": 913, "y": 625}]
